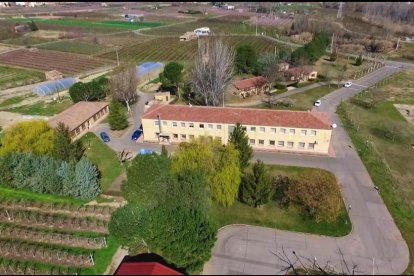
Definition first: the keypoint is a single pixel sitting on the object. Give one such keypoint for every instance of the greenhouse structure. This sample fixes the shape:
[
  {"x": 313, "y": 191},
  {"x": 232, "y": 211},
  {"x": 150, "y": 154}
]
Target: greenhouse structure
[
  {"x": 149, "y": 70},
  {"x": 51, "y": 87}
]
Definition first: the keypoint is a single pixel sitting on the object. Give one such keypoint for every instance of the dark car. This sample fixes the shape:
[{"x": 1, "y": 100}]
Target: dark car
[
  {"x": 105, "y": 136},
  {"x": 137, "y": 133}
]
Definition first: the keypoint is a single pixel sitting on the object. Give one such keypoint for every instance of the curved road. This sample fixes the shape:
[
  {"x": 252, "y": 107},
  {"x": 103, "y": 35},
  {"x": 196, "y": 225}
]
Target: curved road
[{"x": 375, "y": 244}]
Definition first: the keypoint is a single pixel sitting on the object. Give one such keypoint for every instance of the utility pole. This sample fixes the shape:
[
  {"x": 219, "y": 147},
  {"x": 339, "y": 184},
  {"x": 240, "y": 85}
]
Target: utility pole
[
  {"x": 332, "y": 41},
  {"x": 256, "y": 26},
  {"x": 275, "y": 51},
  {"x": 339, "y": 14},
  {"x": 398, "y": 44}
]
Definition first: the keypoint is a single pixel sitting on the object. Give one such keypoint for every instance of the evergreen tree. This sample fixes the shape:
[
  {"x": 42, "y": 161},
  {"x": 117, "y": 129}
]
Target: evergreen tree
[
  {"x": 359, "y": 60},
  {"x": 246, "y": 59},
  {"x": 63, "y": 147},
  {"x": 164, "y": 151},
  {"x": 257, "y": 188},
  {"x": 240, "y": 140},
  {"x": 117, "y": 118},
  {"x": 86, "y": 182}
]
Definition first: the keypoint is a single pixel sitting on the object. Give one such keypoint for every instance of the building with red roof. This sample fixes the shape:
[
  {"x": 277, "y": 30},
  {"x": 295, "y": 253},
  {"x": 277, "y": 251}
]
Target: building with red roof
[
  {"x": 145, "y": 264},
  {"x": 248, "y": 87},
  {"x": 282, "y": 130}
]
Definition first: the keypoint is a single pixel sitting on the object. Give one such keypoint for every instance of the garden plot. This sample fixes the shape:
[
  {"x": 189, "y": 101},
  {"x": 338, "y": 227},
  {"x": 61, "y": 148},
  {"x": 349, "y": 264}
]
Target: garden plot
[{"x": 12, "y": 77}]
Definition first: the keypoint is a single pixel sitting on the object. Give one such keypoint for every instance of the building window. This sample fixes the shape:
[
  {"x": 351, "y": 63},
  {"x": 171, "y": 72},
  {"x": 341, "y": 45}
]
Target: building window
[
  {"x": 311, "y": 146},
  {"x": 157, "y": 123},
  {"x": 191, "y": 137},
  {"x": 201, "y": 125},
  {"x": 272, "y": 143},
  {"x": 210, "y": 126},
  {"x": 175, "y": 136},
  {"x": 252, "y": 129},
  {"x": 273, "y": 130},
  {"x": 290, "y": 144},
  {"x": 244, "y": 128},
  {"x": 280, "y": 144},
  {"x": 174, "y": 124},
  {"x": 303, "y": 132},
  {"x": 190, "y": 124},
  {"x": 262, "y": 129},
  {"x": 77, "y": 131},
  {"x": 218, "y": 126},
  {"x": 261, "y": 142},
  {"x": 282, "y": 130},
  {"x": 164, "y": 123},
  {"x": 183, "y": 124},
  {"x": 252, "y": 142},
  {"x": 183, "y": 136},
  {"x": 301, "y": 145},
  {"x": 313, "y": 133},
  {"x": 291, "y": 131}
]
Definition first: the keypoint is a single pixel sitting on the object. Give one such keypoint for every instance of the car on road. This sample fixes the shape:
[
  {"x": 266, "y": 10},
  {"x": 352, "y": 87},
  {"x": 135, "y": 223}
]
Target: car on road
[
  {"x": 318, "y": 103},
  {"x": 137, "y": 133},
  {"x": 348, "y": 84},
  {"x": 146, "y": 151},
  {"x": 105, "y": 136}
]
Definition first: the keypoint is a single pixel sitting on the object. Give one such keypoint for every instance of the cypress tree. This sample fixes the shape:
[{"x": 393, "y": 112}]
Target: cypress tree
[
  {"x": 117, "y": 119},
  {"x": 63, "y": 147},
  {"x": 240, "y": 140}
]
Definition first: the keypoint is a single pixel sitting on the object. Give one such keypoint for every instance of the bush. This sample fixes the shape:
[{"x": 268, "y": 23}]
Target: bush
[
  {"x": 117, "y": 118},
  {"x": 312, "y": 51},
  {"x": 280, "y": 86},
  {"x": 359, "y": 60},
  {"x": 91, "y": 91},
  {"x": 366, "y": 103}
]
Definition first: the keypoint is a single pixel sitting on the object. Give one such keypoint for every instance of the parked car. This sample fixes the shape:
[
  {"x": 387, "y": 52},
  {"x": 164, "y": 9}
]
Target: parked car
[
  {"x": 317, "y": 103},
  {"x": 137, "y": 133},
  {"x": 105, "y": 136},
  {"x": 146, "y": 151},
  {"x": 348, "y": 84}
]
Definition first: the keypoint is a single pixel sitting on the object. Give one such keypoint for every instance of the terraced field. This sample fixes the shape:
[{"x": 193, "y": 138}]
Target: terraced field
[
  {"x": 169, "y": 49},
  {"x": 13, "y": 77},
  {"x": 46, "y": 60}
]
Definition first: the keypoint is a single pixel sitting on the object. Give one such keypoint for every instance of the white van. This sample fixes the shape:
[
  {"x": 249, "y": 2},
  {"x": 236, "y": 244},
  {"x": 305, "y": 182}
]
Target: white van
[{"x": 202, "y": 31}]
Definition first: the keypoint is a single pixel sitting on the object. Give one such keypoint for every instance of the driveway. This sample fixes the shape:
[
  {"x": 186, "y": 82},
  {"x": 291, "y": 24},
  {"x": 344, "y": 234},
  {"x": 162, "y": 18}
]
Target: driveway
[{"x": 375, "y": 244}]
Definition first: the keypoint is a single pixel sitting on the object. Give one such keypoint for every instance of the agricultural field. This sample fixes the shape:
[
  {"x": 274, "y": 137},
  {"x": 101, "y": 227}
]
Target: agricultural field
[
  {"x": 46, "y": 60},
  {"x": 58, "y": 236},
  {"x": 405, "y": 53},
  {"x": 42, "y": 108},
  {"x": 13, "y": 77},
  {"x": 74, "y": 47},
  {"x": 169, "y": 49},
  {"x": 27, "y": 41}
]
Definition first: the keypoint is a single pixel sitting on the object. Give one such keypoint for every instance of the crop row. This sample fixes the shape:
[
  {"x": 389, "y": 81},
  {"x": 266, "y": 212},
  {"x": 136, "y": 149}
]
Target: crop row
[
  {"x": 40, "y": 253},
  {"x": 15, "y": 267},
  {"x": 101, "y": 212},
  {"x": 48, "y": 221},
  {"x": 43, "y": 236}
]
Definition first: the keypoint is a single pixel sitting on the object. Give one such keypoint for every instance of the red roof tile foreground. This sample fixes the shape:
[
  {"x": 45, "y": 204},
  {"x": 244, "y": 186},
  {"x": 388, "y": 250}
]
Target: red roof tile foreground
[
  {"x": 250, "y": 83},
  {"x": 147, "y": 268},
  {"x": 244, "y": 116}
]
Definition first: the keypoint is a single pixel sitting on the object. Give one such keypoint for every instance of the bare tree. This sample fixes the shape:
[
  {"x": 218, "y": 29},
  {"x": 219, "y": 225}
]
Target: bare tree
[
  {"x": 212, "y": 71},
  {"x": 123, "y": 84}
]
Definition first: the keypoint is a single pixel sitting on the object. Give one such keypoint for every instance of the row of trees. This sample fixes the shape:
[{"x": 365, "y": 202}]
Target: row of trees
[
  {"x": 312, "y": 51},
  {"x": 90, "y": 91}
]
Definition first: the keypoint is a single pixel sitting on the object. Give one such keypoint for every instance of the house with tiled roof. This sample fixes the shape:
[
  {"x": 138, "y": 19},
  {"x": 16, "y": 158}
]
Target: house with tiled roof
[
  {"x": 267, "y": 129},
  {"x": 301, "y": 73},
  {"x": 250, "y": 86}
]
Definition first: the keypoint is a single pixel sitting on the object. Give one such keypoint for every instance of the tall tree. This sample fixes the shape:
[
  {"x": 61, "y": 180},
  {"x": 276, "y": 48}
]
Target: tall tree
[
  {"x": 172, "y": 75},
  {"x": 246, "y": 59},
  {"x": 123, "y": 84},
  {"x": 240, "y": 140},
  {"x": 63, "y": 147},
  {"x": 34, "y": 136},
  {"x": 212, "y": 71},
  {"x": 117, "y": 118},
  {"x": 256, "y": 188},
  {"x": 90, "y": 91}
]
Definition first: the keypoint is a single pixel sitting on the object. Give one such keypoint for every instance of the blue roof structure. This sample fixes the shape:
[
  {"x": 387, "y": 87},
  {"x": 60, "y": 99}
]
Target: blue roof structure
[
  {"x": 148, "y": 67},
  {"x": 51, "y": 87}
]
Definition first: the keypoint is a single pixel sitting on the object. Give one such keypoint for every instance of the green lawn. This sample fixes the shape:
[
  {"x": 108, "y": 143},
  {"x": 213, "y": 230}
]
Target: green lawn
[
  {"x": 388, "y": 155},
  {"x": 74, "y": 47},
  {"x": 12, "y": 101},
  {"x": 42, "y": 108},
  {"x": 12, "y": 77},
  {"x": 102, "y": 258},
  {"x": 274, "y": 216},
  {"x": 104, "y": 157}
]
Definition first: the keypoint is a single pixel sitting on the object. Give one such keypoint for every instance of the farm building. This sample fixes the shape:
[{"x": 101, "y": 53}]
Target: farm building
[
  {"x": 248, "y": 87},
  {"x": 53, "y": 75},
  {"x": 202, "y": 31},
  {"x": 162, "y": 97},
  {"x": 148, "y": 71},
  {"x": 51, "y": 87},
  {"x": 301, "y": 73},
  {"x": 80, "y": 117},
  {"x": 21, "y": 28},
  {"x": 145, "y": 264},
  {"x": 188, "y": 36},
  {"x": 281, "y": 130}
]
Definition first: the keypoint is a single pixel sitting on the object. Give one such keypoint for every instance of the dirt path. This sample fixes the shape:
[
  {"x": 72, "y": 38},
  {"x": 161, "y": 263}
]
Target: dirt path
[{"x": 116, "y": 261}]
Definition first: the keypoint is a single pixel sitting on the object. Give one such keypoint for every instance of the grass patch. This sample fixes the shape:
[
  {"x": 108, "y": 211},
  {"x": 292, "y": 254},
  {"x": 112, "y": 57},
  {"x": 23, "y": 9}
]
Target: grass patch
[
  {"x": 274, "y": 216},
  {"x": 156, "y": 80},
  {"x": 389, "y": 162},
  {"x": 102, "y": 258},
  {"x": 13, "y": 77},
  {"x": 29, "y": 41},
  {"x": 12, "y": 101},
  {"x": 74, "y": 47},
  {"x": 42, "y": 108},
  {"x": 104, "y": 157}
]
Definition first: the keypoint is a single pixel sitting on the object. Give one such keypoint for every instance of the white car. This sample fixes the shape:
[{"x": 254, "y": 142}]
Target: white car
[
  {"x": 317, "y": 103},
  {"x": 348, "y": 84}
]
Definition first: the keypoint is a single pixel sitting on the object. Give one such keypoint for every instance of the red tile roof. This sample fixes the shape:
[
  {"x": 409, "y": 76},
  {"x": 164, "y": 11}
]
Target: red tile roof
[
  {"x": 145, "y": 268},
  {"x": 296, "y": 71},
  {"x": 244, "y": 116},
  {"x": 250, "y": 83}
]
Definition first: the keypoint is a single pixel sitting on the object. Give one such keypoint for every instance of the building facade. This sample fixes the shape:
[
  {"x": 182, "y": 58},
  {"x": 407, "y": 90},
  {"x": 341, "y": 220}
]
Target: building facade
[{"x": 289, "y": 131}]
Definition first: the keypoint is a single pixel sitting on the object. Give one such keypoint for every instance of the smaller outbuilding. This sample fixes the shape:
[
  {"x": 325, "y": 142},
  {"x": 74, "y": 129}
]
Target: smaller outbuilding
[
  {"x": 162, "y": 97},
  {"x": 146, "y": 264},
  {"x": 248, "y": 87},
  {"x": 301, "y": 73},
  {"x": 53, "y": 75},
  {"x": 188, "y": 36}
]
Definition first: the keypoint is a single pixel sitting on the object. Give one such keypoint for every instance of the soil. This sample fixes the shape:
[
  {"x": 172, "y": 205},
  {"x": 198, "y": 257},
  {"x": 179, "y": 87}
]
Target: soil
[{"x": 407, "y": 111}]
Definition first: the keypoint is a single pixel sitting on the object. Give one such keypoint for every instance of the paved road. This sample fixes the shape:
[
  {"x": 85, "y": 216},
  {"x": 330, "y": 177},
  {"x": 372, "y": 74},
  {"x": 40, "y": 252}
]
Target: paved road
[{"x": 375, "y": 243}]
